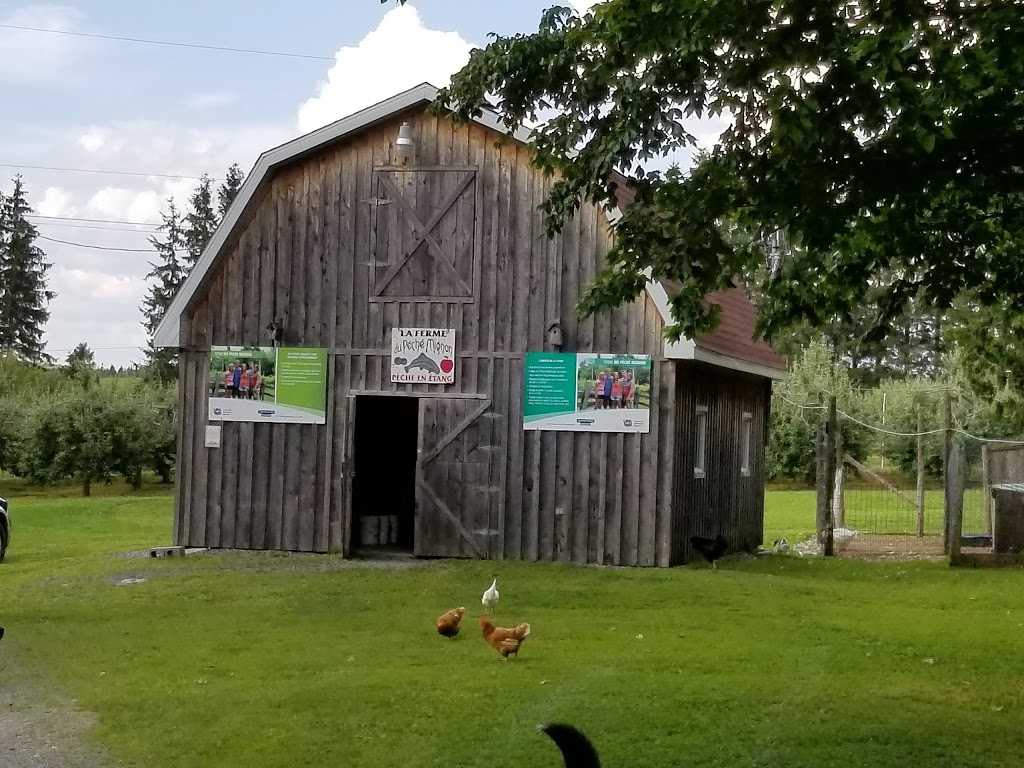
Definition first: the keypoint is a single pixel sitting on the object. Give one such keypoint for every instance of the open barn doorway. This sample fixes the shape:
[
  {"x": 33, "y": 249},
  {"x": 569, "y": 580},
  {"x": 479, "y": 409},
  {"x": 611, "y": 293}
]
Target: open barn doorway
[{"x": 384, "y": 485}]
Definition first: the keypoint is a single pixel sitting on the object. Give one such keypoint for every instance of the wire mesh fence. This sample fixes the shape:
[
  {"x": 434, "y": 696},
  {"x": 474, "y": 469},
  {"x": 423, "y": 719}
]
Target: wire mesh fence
[
  {"x": 882, "y": 515},
  {"x": 920, "y": 494}
]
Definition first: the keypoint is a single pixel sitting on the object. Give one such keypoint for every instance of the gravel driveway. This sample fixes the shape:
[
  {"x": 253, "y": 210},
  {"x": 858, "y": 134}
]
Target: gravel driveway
[{"x": 39, "y": 731}]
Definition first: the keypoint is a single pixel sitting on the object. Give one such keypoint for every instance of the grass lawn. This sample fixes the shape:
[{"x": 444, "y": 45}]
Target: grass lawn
[{"x": 276, "y": 660}]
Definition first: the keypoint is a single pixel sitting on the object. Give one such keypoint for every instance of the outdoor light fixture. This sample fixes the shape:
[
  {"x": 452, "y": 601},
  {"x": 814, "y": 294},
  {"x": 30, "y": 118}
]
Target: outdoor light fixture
[{"x": 404, "y": 145}]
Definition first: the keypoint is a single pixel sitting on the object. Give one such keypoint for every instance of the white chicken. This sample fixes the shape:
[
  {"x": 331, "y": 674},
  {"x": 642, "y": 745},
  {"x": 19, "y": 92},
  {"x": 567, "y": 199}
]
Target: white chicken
[
  {"x": 490, "y": 597},
  {"x": 840, "y": 535}
]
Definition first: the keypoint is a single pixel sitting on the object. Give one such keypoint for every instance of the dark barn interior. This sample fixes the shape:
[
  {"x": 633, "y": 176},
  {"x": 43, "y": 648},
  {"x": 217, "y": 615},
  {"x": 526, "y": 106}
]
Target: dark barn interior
[{"x": 384, "y": 483}]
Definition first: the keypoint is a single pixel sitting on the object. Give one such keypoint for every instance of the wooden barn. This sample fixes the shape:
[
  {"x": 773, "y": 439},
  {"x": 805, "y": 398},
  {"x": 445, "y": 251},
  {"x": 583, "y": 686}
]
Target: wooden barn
[{"x": 379, "y": 347}]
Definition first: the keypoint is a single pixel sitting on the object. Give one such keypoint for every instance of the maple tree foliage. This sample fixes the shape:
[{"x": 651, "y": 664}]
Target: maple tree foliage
[{"x": 883, "y": 138}]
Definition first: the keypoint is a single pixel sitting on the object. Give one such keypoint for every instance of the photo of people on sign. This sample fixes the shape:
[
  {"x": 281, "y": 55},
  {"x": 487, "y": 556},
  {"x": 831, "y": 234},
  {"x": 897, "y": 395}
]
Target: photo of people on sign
[
  {"x": 423, "y": 355},
  {"x": 587, "y": 392},
  {"x": 613, "y": 382},
  {"x": 275, "y": 384}
]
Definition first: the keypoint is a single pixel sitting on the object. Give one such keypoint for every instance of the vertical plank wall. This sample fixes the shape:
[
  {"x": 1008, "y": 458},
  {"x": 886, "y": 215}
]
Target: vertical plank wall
[
  {"x": 724, "y": 501},
  {"x": 309, "y": 256}
]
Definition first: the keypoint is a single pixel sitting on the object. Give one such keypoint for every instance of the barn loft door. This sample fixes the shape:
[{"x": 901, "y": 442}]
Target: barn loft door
[
  {"x": 458, "y": 492},
  {"x": 423, "y": 234}
]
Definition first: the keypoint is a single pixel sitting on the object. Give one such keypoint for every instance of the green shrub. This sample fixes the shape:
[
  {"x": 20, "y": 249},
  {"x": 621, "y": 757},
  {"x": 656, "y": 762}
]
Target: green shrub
[{"x": 92, "y": 436}]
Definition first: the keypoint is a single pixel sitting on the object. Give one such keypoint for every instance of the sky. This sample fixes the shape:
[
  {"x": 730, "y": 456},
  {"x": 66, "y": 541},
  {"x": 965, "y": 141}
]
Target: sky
[{"x": 154, "y": 117}]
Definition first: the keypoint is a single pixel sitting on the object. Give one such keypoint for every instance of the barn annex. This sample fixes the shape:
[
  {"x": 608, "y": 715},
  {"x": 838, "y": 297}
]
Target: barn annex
[{"x": 346, "y": 237}]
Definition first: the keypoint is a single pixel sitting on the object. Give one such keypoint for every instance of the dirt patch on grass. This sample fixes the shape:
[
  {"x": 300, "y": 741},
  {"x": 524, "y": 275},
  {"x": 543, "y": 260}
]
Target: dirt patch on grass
[
  {"x": 38, "y": 730},
  {"x": 885, "y": 547},
  {"x": 891, "y": 547},
  {"x": 260, "y": 560}
]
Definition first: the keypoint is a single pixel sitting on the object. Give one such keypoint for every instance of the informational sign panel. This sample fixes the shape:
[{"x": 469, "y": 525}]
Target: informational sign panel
[
  {"x": 213, "y": 435},
  {"x": 273, "y": 384},
  {"x": 587, "y": 392},
  {"x": 423, "y": 355}
]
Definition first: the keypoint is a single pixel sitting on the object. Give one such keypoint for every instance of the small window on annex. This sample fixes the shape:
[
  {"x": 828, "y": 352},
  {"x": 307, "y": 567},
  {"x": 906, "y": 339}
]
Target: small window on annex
[
  {"x": 701, "y": 453},
  {"x": 745, "y": 444}
]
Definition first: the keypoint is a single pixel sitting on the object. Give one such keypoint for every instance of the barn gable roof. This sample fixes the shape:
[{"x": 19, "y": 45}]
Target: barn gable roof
[{"x": 727, "y": 347}]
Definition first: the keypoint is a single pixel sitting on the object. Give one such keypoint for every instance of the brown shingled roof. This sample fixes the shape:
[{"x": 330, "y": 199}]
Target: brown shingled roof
[{"x": 735, "y": 335}]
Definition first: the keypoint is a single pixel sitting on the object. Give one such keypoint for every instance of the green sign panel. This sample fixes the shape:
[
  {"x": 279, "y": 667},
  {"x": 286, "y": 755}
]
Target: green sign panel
[
  {"x": 550, "y": 385},
  {"x": 302, "y": 379}
]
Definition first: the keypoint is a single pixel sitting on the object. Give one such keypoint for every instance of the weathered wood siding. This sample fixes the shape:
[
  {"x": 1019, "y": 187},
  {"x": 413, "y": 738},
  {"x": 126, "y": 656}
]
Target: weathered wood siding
[
  {"x": 724, "y": 501},
  {"x": 323, "y": 254}
]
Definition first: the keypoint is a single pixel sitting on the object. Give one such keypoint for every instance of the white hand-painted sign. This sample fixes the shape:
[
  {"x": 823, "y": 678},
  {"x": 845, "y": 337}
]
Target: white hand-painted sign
[{"x": 423, "y": 355}]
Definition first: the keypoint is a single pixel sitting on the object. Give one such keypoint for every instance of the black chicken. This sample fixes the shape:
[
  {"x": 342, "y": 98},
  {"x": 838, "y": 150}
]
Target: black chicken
[
  {"x": 577, "y": 751},
  {"x": 1, "y": 633},
  {"x": 712, "y": 549}
]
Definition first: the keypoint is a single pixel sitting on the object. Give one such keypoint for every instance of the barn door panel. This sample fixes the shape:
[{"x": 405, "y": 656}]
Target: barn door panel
[
  {"x": 348, "y": 475},
  {"x": 458, "y": 478},
  {"x": 423, "y": 237}
]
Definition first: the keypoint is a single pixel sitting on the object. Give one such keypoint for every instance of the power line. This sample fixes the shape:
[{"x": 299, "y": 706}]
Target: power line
[
  {"x": 96, "y": 349},
  {"x": 99, "y": 227},
  {"x": 170, "y": 43},
  {"x": 95, "y": 170},
  {"x": 97, "y": 221},
  {"x": 96, "y": 247},
  {"x": 81, "y": 222}
]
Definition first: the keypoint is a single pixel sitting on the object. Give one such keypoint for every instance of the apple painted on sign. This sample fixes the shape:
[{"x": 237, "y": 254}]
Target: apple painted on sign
[{"x": 447, "y": 365}]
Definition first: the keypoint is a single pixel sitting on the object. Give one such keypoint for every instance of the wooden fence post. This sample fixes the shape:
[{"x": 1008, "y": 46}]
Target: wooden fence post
[
  {"x": 826, "y": 477},
  {"x": 955, "y": 486},
  {"x": 839, "y": 491},
  {"x": 821, "y": 482},
  {"x": 947, "y": 444},
  {"x": 986, "y": 489},
  {"x": 920, "y": 471}
]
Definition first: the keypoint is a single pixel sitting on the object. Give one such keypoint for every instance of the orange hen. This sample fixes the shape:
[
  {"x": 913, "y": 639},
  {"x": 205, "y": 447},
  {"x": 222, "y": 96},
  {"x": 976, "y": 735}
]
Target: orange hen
[
  {"x": 504, "y": 641},
  {"x": 448, "y": 623}
]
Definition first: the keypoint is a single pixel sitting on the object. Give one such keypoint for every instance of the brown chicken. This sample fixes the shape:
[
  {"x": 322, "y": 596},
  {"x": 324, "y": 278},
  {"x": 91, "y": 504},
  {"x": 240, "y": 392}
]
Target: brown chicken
[
  {"x": 448, "y": 623},
  {"x": 504, "y": 641}
]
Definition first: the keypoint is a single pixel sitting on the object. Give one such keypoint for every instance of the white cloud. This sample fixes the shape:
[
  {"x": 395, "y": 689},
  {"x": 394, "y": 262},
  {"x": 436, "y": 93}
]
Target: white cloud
[
  {"x": 98, "y": 305},
  {"x": 56, "y": 201},
  {"x": 582, "y": 6},
  {"x": 151, "y": 146},
  {"x": 118, "y": 203},
  {"x": 399, "y": 54},
  {"x": 204, "y": 101},
  {"x": 93, "y": 140},
  {"x": 98, "y": 286},
  {"x": 36, "y": 57}
]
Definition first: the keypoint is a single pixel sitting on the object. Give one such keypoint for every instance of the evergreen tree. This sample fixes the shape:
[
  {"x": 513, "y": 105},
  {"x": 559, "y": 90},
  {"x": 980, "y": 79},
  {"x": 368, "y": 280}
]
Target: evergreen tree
[
  {"x": 23, "y": 282},
  {"x": 167, "y": 275},
  {"x": 229, "y": 189},
  {"x": 80, "y": 364},
  {"x": 200, "y": 221}
]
